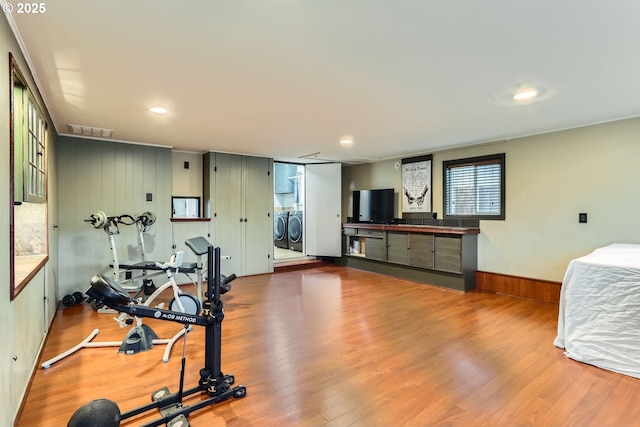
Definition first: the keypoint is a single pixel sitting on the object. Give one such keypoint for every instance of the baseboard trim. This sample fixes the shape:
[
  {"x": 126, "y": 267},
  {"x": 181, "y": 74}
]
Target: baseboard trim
[
  {"x": 534, "y": 289},
  {"x": 282, "y": 267}
]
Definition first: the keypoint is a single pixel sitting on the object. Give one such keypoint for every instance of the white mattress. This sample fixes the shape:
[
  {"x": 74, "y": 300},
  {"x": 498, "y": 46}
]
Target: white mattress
[{"x": 599, "y": 318}]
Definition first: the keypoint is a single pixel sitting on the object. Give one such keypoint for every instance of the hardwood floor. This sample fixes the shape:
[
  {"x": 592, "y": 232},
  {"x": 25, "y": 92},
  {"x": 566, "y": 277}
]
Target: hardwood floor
[{"x": 334, "y": 346}]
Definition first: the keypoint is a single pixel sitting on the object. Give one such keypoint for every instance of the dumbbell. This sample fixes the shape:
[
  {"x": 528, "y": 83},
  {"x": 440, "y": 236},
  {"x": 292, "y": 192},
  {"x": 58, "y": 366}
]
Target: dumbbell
[
  {"x": 147, "y": 219},
  {"x": 73, "y": 299},
  {"x": 97, "y": 219}
]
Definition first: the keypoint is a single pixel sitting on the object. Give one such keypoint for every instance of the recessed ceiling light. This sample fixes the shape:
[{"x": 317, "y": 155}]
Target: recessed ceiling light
[
  {"x": 158, "y": 110},
  {"x": 525, "y": 93},
  {"x": 346, "y": 140}
]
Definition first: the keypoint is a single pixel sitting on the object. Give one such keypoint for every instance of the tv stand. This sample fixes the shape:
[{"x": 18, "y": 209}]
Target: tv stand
[{"x": 437, "y": 255}]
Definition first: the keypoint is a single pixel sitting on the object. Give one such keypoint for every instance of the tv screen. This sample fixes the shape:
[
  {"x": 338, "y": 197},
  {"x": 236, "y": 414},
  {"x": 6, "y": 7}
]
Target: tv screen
[{"x": 374, "y": 206}]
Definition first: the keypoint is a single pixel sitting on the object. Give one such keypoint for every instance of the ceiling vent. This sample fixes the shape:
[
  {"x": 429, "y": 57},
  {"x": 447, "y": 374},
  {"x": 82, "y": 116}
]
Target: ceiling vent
[{"x": 90, "y": 131}]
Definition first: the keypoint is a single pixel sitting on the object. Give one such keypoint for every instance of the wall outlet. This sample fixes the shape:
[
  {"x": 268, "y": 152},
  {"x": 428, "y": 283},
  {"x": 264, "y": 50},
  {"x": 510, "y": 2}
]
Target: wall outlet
[{"x": 582, "y": 218}]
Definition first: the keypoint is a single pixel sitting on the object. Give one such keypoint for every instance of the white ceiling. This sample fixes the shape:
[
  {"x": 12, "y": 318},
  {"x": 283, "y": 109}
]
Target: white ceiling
[{"x": 286, "y": 79}]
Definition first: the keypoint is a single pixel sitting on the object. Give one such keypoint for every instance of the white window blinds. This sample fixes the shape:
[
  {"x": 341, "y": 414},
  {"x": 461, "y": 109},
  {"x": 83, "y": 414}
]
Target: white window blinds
[{"x": 475, "y": 187}]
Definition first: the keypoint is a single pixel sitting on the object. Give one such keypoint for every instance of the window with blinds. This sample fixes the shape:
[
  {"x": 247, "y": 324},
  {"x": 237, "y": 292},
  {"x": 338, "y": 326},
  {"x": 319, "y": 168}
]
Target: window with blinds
[{"x": 474, "y": 187}]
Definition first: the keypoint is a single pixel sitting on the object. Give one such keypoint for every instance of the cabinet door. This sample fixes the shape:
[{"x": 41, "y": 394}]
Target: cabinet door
[
  {"x": 182, "y": 231},
  {"x": 242, "y": 205},
  {"x": 258, "y": 223},
  {"x": 421, "y": 250},
  {"x": 374, "y": 248},
  {"x": 448, "y": 254},
  {"x": 228, "y": 218},
  {"x": 397, "y": 247}
]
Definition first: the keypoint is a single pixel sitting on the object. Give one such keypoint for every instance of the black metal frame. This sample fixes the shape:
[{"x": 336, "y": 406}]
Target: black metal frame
[{"x": 217, "y": 385}]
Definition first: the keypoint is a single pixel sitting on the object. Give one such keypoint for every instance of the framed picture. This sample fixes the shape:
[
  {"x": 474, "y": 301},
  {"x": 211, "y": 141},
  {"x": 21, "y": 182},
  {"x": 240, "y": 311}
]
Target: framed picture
[{"x": 416, "y": 184}]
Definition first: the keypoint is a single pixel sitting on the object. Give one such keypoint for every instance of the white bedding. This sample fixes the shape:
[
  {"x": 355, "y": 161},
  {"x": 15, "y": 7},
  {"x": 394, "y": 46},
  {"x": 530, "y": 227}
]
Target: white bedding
[{"x": 599, "y": 318}]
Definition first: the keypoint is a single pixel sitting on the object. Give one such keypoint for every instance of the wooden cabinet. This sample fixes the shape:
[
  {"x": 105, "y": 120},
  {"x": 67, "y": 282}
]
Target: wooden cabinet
[
  {"x": 240, "y": 203},
  {"x": 369, "y": 244},
  {"x": 410, "y": 248},
  {"x": 398, "y": 247},
  {"x": 444, "y": 256},
  {"x": 375, "y": 248},
  {"x": 420, "y": 250},
  {"x": 448, "y": 254}
]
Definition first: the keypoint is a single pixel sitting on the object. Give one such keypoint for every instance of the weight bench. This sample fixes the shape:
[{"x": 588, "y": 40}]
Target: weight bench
[{"x": 200, "y": 247}]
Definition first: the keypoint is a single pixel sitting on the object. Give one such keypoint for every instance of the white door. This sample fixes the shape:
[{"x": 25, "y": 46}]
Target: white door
[{"x": 322, "y": 229}]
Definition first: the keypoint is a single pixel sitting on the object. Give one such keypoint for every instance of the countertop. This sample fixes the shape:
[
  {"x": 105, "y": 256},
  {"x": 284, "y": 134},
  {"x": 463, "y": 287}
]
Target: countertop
[{"x": 414, "y": 228}]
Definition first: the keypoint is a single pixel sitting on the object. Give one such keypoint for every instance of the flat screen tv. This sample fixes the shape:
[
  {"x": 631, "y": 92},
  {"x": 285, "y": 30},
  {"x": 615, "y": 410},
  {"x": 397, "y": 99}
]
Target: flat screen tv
[{"x": 374, "y": 206}]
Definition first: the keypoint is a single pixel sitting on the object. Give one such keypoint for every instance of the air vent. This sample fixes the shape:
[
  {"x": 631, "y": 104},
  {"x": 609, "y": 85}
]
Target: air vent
[{"x": 90, "y": 131}]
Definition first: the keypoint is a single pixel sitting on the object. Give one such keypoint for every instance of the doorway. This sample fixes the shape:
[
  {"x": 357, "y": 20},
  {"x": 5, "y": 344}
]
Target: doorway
[{"x": 288, "y": 212}]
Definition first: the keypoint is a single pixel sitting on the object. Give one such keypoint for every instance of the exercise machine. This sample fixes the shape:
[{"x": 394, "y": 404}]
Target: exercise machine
[
  {"x": 217, "y": 386},
  {"x": 199, "y": 246},
  {"x": 141, "y": 337},
  {"x": 138, "y": 276}
]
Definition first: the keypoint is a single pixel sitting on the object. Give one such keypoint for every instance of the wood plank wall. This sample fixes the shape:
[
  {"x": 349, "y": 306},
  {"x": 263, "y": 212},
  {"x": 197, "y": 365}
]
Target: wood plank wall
[
  {"x": 533, "y": 289},
  {"x": 114, "y": 178}
]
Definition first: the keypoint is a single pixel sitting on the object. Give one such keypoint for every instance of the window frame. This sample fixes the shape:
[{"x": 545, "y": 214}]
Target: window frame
[
  {"x": 22, "y": 268},
  {"x": 447, "y": 165},
  {"x": 35, "y": 159}
]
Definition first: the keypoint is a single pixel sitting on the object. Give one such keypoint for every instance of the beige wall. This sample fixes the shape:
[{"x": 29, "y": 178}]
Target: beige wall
[
  {"x": 186, "y": 182},
  {"x": 550, "y": 178}
]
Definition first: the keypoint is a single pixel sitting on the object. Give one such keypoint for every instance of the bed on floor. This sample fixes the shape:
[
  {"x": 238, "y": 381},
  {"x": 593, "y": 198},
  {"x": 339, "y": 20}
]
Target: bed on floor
[{"x": 599, "y": 317}]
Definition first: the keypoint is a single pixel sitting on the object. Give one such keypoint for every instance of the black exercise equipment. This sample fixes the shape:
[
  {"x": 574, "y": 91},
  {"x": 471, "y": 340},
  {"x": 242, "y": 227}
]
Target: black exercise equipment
[
  {"x": 73, "y": 299},
  {"x": 199, "y": 246},
  {"x": 99, "y": 412},
  {"x": 99, "y": 219},
  {"x": 213, "y": 382}
]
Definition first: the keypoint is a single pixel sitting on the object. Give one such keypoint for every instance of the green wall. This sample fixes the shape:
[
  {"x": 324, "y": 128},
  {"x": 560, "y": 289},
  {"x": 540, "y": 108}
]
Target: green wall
[{"x": 26, "y": 319}]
